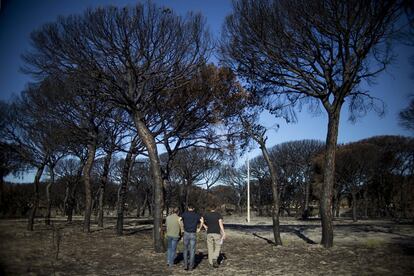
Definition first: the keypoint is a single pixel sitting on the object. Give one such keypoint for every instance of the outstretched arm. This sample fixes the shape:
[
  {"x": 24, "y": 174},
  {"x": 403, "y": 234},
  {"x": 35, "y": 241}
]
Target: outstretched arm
[{"x": 201, "y": 224}]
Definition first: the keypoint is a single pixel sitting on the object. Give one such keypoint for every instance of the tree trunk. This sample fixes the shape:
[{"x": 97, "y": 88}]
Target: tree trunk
[
  {"x": 66, "y": 199},
  {"x": 305, "y": 214},
  {"x": 338, "y": 206},
  {"x": 403, "y": 199},
  {"x": 70, "y": 209},
  {"x": 366, "y": 203},
  {"x": 2, "y": 175},
  {"x": 354, "y": 206},
  {"x": 181, "y": 205},
  {"x": 328, "y": 180},
  {"x": 149, "y": 142},
  {"x": 104, "y": 181},
  {"x": 72, "y": 193},
  {"x": 187, "y": 193},
  {"x": 87, "y": 183},
  {"x": 48, "y": 190},
  {"x": 150, "y": 207},
  {"x": 138, "y": 213},
  {"x": 275, "y": 203},
  {"x": 36, "y": 197},
  {"x": 260, "y": 206},
  {"x": 144, "y": 204},
  {"x": 126, "y": 171},
  {"x": 71, "y": 201},
  {"x": 239, "y": 208}
]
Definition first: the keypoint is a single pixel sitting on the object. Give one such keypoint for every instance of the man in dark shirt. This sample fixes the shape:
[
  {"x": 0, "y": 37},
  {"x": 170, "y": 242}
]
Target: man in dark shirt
[
  {"x": 189, "y": 221},
  {"x": 213, "y": 222}
]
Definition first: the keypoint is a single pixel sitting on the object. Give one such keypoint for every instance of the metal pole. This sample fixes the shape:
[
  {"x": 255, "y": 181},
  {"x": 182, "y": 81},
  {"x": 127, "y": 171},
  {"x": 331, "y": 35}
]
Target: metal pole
[{"x": 248, "y": 190}]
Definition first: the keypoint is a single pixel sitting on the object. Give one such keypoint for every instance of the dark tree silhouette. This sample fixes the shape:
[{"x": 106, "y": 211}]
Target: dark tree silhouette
[
  {"x": 311, "y": 52},
  {"x": 406, "y": 116},
  {"x": 35, "y": 139},
  {"x": 141, "y": 55},
  {"x": 294, "y": 162}
]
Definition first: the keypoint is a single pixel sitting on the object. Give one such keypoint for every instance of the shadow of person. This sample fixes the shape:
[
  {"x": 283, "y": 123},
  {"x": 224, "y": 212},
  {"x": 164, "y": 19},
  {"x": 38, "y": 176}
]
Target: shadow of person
[
  {"x": 179, "y": 258},
  {"x": 198, "y": 258}
]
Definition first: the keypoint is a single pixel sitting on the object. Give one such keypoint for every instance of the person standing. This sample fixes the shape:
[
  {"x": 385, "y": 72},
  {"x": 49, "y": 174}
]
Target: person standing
[
  {"x": 213, "y": 222},
  {"x": 172, "y": 223},
  {"x": 191, "y": 224}
]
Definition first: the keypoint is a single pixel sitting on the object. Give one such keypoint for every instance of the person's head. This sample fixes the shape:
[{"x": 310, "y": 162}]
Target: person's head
[
  {"x": 212, "y": 207},
  {"x": 175, "y": 210},
  {"x": 190, "y": 207}
]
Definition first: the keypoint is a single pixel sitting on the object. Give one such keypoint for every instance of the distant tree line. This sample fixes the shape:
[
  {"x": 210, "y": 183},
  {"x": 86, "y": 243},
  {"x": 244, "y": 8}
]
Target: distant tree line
[{"x": 374, "y": 179}]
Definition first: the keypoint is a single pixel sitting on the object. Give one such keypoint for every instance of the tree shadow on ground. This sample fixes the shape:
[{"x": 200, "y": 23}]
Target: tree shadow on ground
[
  {"x": 297, "y": 232},
  {"x": 129, "y": 232},
  {"x": 102, "y": 229},
  {"x": 299, "y": 228},
  {"x": 303, "y": 237},
  {"x": 294, "y": 229},
  {"x": 405, "y": 242},
  {"x": 263, "y": 238},
  {"x": 407, "y": 246}
]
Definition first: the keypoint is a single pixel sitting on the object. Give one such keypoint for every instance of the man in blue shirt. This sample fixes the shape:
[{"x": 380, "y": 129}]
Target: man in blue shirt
[{"x": 191, "y": 223}]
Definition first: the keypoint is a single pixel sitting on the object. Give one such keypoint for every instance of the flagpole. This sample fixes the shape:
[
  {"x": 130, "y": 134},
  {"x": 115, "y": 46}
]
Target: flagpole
[{"x": 248, "y": 190}]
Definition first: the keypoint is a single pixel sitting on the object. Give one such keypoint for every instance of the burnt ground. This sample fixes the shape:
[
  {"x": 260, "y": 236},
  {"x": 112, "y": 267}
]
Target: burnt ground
[{"x": 362, "y": 248}]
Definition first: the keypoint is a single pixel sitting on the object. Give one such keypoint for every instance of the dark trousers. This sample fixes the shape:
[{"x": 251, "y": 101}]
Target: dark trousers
[
  {"x": 189, "y": 246},
  {"x": 171, "y": 250}
]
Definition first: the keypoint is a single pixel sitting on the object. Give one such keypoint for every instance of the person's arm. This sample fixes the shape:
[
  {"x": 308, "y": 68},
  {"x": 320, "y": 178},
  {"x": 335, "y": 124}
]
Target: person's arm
[
  {"x": 204, "y": 224},
  {"x": 223, "y": 234},
  {"x": 201, "y": 224},
  {"x": 180, "y": 221}
]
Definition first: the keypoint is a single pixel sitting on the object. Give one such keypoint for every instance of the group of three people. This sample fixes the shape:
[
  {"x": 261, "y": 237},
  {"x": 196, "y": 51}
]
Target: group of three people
[{"x": 189, "y": 224}]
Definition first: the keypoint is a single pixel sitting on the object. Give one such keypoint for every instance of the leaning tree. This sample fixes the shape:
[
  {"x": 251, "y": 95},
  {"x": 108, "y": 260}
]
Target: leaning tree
[
  {"x": 316, "y": 52},
  {"x": 141, "y": 56},
  {"x": 35, "y": 139}
]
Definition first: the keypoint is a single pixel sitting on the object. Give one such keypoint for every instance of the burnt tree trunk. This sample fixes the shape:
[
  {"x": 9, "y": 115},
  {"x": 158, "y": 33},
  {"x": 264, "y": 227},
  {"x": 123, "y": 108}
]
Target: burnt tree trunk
[
  {"x": 66, "y": 199},
  {"x": 260, "y": 205},
  {"x": 403, "y": 199},
  {"x": 126, "y": 171},
  {"x": 275, "y": 203},
  {"x": 366, "y": 203},
  {"x": 180, "y": 199},
  {"x": 36, "y": 197},
  {"x": 86, "y": 172},
  {"x": 2, "y": 175},
  {"x": 149, "y": 141},
  {"x": 306, "y": 212},
  {"x": 328, "y": 179},
  {"x": 144, "y": 204},
  {"x": 187, "y": 193},
  {"x": 354, "y": 206},
  {"x": 338, "y": 206},
  {"x": 48, "y": 190},
  {"x": 104, "y": 181},
  {"x": 239, "y": 207}
]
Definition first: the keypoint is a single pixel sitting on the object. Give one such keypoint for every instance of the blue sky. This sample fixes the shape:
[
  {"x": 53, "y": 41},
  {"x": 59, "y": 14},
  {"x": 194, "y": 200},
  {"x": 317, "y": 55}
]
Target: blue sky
[{"x": 18, "y": 18}]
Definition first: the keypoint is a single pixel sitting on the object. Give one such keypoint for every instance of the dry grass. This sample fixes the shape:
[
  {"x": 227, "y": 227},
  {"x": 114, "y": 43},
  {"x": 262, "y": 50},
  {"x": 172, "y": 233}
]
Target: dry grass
[{"x": 367, "y": 248}]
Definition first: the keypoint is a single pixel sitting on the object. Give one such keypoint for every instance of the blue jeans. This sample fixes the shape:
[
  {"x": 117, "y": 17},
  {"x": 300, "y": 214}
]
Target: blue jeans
[
  {"x": 171, "y": 250},
  {"x": 189, "y": 245}
]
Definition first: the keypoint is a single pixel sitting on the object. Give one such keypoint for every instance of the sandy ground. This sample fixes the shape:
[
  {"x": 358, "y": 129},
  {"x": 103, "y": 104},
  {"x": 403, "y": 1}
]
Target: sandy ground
[{"x": 361, "y": 248}]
